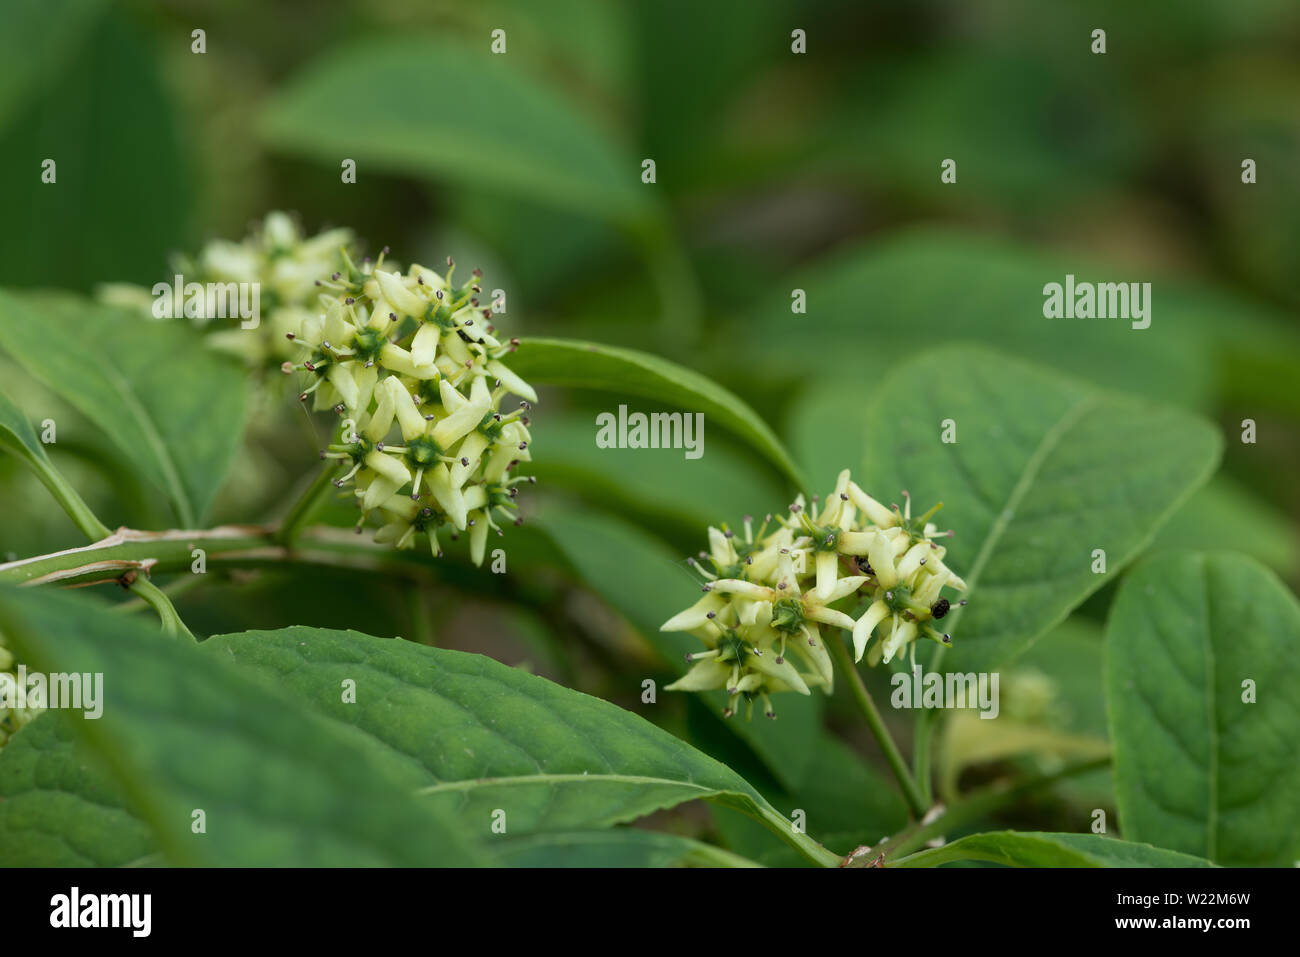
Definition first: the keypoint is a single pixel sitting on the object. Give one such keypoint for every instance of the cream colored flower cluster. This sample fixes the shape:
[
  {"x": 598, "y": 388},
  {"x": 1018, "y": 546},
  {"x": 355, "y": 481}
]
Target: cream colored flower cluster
[
  {"x": 412, "y": 354},
  {"x": 286, "y": 266},
  {"x": 769, "y": 595}
]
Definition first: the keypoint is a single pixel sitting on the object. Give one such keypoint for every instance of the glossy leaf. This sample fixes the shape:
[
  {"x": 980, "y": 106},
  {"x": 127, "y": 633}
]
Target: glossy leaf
[{"x": 628, "y": 373}]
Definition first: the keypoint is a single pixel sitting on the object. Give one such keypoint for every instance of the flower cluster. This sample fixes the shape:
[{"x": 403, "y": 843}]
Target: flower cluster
[
  {"x": 286, "y": 265},
  {"x": 12, "y": 717},
  {"x": 278, "y": 259},
  {"x": 414, "y": 353},
  {"x": 770, "y": 594}
]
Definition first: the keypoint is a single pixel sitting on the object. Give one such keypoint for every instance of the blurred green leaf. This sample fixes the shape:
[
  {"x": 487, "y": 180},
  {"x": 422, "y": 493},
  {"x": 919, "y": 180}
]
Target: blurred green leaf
[
  {"x": 57, "y": 809},
  {"x": 476, "y": 736},
  {"x": 1226, "y": 515},
  {"x": 1030, "y": 130},
  {"x": 122, "y": 198},
  {"x": 16, "y": 434},
  {"x": 1040, "y": 475},
  {"x": 619, "y": 847},
  {"x": 1197, "y": 766},
  {"x": 878, "y": 303},
  {"x": 846, "y": 802},
  {"x": 181, "y": 730},
  {"x": 35, "y": 45},
  {"x": 434, "y": 109},
  {"x": 647, "y": 484},
  {"x": 1024, "y": 849},
  {"x": 175, "y": 408},
  {"x": 628, "y": 373}
]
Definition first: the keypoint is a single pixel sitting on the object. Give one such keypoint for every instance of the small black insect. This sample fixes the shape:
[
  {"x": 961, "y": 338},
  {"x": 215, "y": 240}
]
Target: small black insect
[
  {"x": 940, "y": 608},
  {"x": 864, "y": 567}
]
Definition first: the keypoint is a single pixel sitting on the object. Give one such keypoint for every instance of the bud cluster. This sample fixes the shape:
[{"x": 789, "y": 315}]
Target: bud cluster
[
  {"x": 285, "y": 265},
  {"x": 770, "y": 594},
  {"x": 414, "y": 354}
]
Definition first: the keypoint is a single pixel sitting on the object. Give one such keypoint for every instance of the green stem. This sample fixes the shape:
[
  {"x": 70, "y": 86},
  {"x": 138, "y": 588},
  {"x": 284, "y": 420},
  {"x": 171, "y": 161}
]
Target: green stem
[
  {"x": 151, "y": 593},
  {"x": 68, "y": 499},
  {"x": 302, "y": 510},
  {"x": 178, "y": 587},
  {"x": 915, "y": 799},
  {"x": 980, "y": 803},
  {"x": 922, "y": 736},
  {"x": 238, "y": 545}
]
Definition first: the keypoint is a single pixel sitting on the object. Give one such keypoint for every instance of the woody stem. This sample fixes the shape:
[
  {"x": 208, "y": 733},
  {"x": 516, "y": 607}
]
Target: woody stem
[{"x": 915, "y": 799}]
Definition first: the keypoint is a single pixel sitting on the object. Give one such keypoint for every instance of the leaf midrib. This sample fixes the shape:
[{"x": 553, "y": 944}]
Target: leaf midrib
[
  {"x": 1003, "y": 519},
  {"x": 171, "y": 475},
  {"x": 472, "y": 783}
]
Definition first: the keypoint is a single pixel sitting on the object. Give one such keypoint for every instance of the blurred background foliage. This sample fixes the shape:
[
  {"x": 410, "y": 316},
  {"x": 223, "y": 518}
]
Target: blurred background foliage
[{"x": 775, "y": 171}]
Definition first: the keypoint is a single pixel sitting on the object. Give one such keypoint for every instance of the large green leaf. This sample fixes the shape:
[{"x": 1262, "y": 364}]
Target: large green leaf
[
  {"x": 647, "y": 484},
  {"x": 182, "y": 730},
  {"x": 36, "y": 44},
  {"x": 1201, "y": 765},
  {"x": 476, "y": 737},
  {"x": 630, "y": 374},
  {"x": 1044, "y": 470},
  {"x": 434, "y": 109},
  {"x": 57, "y": 809},
  {"x": 892, "y": 296},
  {"x": 175, "y": 408},
  {"x": 648, "y": 584},
  {"x": 98, "y": 108},
  {"x": 1047, "y": 849}
]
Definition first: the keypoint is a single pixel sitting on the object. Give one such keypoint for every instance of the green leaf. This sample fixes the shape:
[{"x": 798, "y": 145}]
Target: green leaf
[
  {"x": 619, "y": 847},
  {"x": 628, "y": 373},
  {"x": 1048, "y": 849},
  {"x": 648, "y": 584},
  {"x": 476, "y": 737},
  {"x": 98, "y": 109},
  {"x": 888, "y": 298},
  {"x": 36, "y": 44},
  {"x": 646, "y": 484},
  {"x": 1041, "y": 474},
  {"x": 174, "y": 407},
  {"x": 1197, "y": 768},
  {"x": 17, "y": 436},
  {"x": 183, "y": 730},
  {"x": 395, "y": 108},
  {"x": 1226, "y": 515},
  {"x": 58, "y": 809}
]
